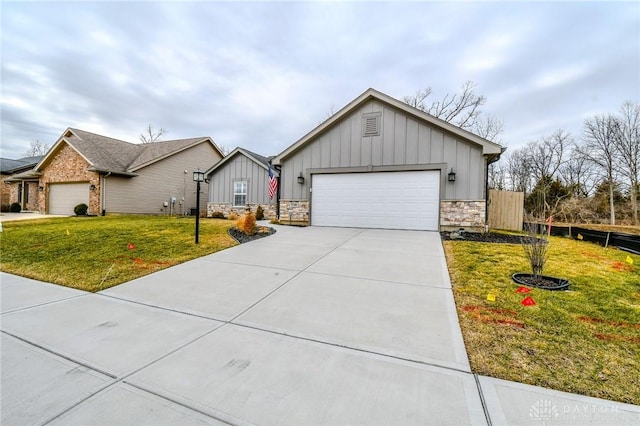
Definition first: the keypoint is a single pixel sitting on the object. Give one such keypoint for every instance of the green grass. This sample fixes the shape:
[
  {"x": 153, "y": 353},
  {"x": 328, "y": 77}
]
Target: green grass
[
  {"x": 585, "y": 341},
  {"x": 94, "y": 253}
]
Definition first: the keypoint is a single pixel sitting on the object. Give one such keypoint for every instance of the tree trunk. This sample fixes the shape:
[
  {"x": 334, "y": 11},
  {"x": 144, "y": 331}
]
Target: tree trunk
[
  {"x": 612, "y": 211},
  {"x": 634, "y": 201}
]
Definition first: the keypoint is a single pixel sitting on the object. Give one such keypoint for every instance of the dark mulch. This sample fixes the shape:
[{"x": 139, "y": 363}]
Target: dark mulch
[
  {"x": 543, "y": 282},
  {"x": 241, "y": 237},
  {"x": 490, "y": 237}
]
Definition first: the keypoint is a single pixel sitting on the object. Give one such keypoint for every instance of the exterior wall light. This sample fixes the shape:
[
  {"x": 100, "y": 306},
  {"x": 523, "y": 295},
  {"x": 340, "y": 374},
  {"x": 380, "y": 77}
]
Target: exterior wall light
[
  {"x": 301, "y": 179},
  {"x": 41, "y": 188},
  {"x": 451, "y": 177},
  {"x": 92, "y": 187}
]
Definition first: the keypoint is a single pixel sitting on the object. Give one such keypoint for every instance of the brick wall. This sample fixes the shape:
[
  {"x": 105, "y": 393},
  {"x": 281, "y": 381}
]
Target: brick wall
[
  {"x": 5, "y": 192},
  {"x": 462, "y": 213},
  {"x": 68, "y": 166}
]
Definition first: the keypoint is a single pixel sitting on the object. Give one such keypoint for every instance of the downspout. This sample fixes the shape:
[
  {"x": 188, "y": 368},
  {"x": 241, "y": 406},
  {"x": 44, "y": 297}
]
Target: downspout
[{"x": 103, "y": 193}]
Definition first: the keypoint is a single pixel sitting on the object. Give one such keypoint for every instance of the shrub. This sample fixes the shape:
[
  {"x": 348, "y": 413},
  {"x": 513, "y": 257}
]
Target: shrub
[
  {"x": 247, "y": 223},
  {"x": 259, "y": 213},
  {"x": 232, "y": 216},
  {"x": 81, "y": 209},
  {"x": 535, "y": 249},
  {"x": 15, "y": 208},
  {"x": 217, "y": 215}
]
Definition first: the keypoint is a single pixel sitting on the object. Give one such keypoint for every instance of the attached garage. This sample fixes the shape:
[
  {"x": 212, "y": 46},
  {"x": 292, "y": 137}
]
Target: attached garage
[
  {"x": 388, "y": 200},
  {"x": 63, "y": 197}
]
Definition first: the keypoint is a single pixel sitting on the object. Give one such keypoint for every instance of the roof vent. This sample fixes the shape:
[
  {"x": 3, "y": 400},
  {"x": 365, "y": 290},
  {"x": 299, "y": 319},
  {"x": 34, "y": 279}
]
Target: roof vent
[{"x": 371, "y": 124}]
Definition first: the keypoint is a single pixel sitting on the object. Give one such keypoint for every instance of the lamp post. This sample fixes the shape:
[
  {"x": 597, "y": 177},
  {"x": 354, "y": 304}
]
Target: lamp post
[{"x": 198, "y": 177}]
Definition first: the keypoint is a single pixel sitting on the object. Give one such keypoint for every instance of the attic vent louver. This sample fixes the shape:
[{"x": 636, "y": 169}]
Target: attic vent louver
[{"x": 371, "y": 124}]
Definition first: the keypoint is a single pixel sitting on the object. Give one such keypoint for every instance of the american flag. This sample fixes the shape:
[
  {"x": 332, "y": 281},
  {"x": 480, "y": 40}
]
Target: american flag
[{"x": 273, "y": 183}]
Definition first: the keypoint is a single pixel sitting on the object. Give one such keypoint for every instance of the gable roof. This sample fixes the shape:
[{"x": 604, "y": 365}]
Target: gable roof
[
  {"x": 9, "y": 166},
  {"x": 488, "y": 148},
  {"x": 109, "y": 155},
  {"x": 260, "y": 160}
]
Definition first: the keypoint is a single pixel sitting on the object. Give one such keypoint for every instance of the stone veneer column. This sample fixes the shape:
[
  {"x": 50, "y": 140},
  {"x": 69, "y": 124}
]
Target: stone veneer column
[{"x": 462, "y": 213}]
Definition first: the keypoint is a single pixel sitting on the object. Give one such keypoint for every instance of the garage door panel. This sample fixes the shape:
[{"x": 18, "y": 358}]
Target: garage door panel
[
  {"x": 63, "y": 197},
  {"x": 393, "y": 200}
]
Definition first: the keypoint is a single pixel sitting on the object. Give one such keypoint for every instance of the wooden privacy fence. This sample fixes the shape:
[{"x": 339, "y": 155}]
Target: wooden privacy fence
[{"x": 506, "y": 210}]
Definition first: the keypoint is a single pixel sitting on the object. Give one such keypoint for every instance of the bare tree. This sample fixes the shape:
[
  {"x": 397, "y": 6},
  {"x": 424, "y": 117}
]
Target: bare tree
[
  {"x": 518, "y": 171},
  {"x": 150, "y": 135},
  {"x": 489, "y": 127},
  {"x": 461, "y": 109},
  {"x": 627, "y": 143},
  {"x": 599, "y": 134},
  {"x": 36, "y": 148},
  {"x": 547, "y": 155},
  {"x": 225, "y": 149},
  {"x": 577, "y": 174}
]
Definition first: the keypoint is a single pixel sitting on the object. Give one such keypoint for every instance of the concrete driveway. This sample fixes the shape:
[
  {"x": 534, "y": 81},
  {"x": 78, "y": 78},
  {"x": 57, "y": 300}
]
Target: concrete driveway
[{"x": 308, "y": 326}]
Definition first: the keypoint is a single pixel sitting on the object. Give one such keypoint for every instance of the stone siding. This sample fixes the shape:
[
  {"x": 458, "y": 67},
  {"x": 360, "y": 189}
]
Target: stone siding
[
  {"x": 227, "y": 209},
  {"x": 294, "y": 212},
  {"x": 462, "y": 213},
  {"x": 67, "y": 166}
]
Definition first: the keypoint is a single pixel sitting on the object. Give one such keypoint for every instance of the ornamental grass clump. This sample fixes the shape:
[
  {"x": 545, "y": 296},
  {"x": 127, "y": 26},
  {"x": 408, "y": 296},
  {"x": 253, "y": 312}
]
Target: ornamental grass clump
[
  {"x": 247, "y": 223},
  {"x": 535, "y": 249}
]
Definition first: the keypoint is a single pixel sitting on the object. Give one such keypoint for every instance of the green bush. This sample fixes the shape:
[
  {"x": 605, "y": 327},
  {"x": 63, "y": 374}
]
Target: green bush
[
  {"x": 217, "y": 215},
  {"x": 259, "y": 213},
  {"x": 81, "y": 209},
  {"x": 15, "y": 208}
]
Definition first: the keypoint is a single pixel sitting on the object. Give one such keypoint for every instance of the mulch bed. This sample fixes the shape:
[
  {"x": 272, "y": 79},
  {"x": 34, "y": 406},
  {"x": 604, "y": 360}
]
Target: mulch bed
[
  {"x": 489, "y": 237},
  {"x": 241, "y": 237}
]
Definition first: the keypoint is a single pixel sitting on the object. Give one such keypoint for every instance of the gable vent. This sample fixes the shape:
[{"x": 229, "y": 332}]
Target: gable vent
[{"x": 371, "y": 124}]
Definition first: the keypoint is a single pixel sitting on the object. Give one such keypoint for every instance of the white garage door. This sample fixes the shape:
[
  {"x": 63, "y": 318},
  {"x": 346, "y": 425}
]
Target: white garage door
[
  {"x": 63, "y": 197},
  {"x": 390, "y": 200}
]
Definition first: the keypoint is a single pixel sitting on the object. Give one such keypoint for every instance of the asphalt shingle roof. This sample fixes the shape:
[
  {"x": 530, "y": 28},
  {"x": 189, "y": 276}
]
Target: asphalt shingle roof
[
  {"x": 9, "y": 166},
  {"x": 117, "y": 156}
]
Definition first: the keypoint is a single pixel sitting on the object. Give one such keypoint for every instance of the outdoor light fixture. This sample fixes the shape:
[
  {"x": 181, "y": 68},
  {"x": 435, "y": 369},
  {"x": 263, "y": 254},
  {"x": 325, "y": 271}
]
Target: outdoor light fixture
[
  {"x": 198, "y": 177},
  {"x": 301, "y": 179},
  {"x": 92, "y": 187},
  {"x": 451, "y": 176},
  {"x": 41, "y": 188}
]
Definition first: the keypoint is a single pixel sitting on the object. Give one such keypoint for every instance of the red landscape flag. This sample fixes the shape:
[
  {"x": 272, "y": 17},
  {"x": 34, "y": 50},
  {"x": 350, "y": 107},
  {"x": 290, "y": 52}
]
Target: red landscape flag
[
  {"x": 273, "y": 183},
  {"x": 528, "y": 301},
  {"x": 522, "y": 289}
]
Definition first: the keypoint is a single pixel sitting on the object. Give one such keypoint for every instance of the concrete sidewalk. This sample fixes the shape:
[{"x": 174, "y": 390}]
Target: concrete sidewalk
[{"x": 308, "y": 326}]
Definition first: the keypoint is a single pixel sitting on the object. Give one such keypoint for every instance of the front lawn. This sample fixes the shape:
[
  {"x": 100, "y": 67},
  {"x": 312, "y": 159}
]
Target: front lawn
[
  {"x": 95, "y": 253},
  {"x": 585, "y": 340}
]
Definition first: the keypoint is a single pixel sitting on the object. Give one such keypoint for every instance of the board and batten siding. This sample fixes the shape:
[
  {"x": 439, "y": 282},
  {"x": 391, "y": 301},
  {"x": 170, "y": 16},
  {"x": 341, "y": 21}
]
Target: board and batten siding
[
  {"x": 239, "y": 168},
  {"x": 403, "y": 140},
  {"x": 158, "y": 182}
]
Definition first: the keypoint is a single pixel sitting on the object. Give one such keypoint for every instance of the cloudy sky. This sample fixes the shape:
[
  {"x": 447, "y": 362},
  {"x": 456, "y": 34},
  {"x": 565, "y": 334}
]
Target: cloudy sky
[{"x": 262, "y": 74}]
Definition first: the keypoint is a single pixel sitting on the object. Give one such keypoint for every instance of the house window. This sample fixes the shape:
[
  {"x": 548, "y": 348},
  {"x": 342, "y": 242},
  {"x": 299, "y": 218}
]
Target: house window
[
  {"x": 240, "y": 194},
  {"x": 371, "y": 124}
]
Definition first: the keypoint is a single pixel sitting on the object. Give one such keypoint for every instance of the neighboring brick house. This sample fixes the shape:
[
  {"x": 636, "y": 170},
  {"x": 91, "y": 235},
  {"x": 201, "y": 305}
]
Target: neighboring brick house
[
  {"x": 114, "y": 176},
  {"x": 25, "y": 191},
  {"x": 239, "y": 181}
]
